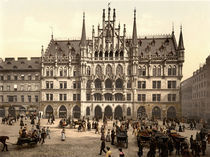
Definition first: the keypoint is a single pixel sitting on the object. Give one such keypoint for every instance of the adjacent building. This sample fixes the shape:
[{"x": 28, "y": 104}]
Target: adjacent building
[
  {"x": 19, "y": 85},
  {"x": 195, "y": 93},
  {"x": 111, "y": 74}
]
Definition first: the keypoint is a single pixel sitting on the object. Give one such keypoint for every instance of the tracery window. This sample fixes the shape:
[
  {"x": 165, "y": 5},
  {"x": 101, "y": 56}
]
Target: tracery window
[
  {"x": 98, "y": 70},
  {"x": 108, "y": 70},
  {"x": 119, "y": 69}
]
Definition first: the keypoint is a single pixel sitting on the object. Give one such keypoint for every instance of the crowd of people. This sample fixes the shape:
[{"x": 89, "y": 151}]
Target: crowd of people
[{"x": 162, "y": 146}]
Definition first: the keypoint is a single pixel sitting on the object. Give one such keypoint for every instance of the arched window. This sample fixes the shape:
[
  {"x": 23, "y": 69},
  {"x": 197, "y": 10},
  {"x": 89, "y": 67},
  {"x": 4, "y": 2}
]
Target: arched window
[
  {"x": 88, "y": 70},
  {"x": 108, "y": 96},
  {"x": 119, "y": 70},
  {"x": 118, "y": 97},
  {"x": 61, "y": 71},
  {"x": 169, "y": 70},
  {"x": 97, "y": 96},
  {"x": 144, "y": 70},
  {"x": 106, "y": 55},
  {"x": 47, "y": 72},
  {"x": 174, "y": 70},
  {"x": 96, "y": 55},
  {"x": 87, "y": 111},
  {"x": 111, "y": 55},
  {"x": 108, "y": 70},
  {"x": 159, "y": 70},
  {"x": 128, "y": 111},
  {"x": 154, "y": 71},
  {"x": 51, "y": 72},
  {"x": 116, "y": 55},
  {"x": 98, "y": 84},
  {"x": 101, "y": 55},
  {"x": 108, "y": 83},
  {"x": 98, "y": 70},
  {"x": 119, "y": 83},
  {"x": 65, "y": 71},
  {"x": 121, "y": 55},
  {"x": 129, "y": 70}
]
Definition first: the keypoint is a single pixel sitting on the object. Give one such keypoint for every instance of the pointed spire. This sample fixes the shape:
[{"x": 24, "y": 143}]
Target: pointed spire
[
  {"x": 134, "y": 37},
  {"x": 172, "y": 27},
  {"x": 83, "y": 38},
  {"x": 42, "y": 51},
  {"x": 181, "y": 42},
  {"x": 114, "y": 14}
]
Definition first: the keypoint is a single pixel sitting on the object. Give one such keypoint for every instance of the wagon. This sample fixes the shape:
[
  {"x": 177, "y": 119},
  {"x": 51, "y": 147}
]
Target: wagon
[
  {"x": 27, "y": 140},
  {"x": 122, "y": 137}
]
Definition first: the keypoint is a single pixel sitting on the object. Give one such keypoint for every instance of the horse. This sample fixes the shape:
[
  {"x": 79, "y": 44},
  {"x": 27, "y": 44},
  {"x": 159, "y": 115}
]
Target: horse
[{"x": 3, "y": 141}]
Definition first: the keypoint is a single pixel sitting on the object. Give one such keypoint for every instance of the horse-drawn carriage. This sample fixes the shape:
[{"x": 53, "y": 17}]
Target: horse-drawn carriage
[
  {"x": 122, "y": 137},
  {"x": 27, "y": 140}
]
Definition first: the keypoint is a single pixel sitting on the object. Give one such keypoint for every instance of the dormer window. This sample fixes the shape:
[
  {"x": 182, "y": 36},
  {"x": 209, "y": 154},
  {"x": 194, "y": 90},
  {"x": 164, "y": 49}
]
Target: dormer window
[{"x": 30, "y": 66}]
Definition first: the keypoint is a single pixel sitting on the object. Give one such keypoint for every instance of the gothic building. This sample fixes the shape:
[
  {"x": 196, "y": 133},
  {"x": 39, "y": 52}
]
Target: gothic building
[{"x": 112, "y": 75}]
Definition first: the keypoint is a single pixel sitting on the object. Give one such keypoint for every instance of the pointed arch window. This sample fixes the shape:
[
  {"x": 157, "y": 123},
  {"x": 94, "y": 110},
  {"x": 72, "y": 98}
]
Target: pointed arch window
[
  {"x": 88, "y": 70},
  {"x": 61, "y": 72},
  {"x": 51, "y": 72},
  {"x": 98, "y": 70},
  {"x": 65, "y": 71},
  {"x": 108, "y": 70},
  {"x": 47, "y": 72},
  {"x": 96, "y": 55},
  {"x": 106, "y": 55},
  {"x": 98, "y": 84},
  {"x": 119, "y": 69},
  {"x": 154, "y": 71},
  {"x": 101, "y": 55},
  {"x": 129, "y": 70},
  {"x": 159, "y": 70},
  {"x": 169, "y": 70},
  {"x": 116, "y": 55},
  {"x": 121, "y": 55},
  {"x": 144, "y": 70},
  {"x": 174, "y": 70},
  {"x": 111, "y": 55}
]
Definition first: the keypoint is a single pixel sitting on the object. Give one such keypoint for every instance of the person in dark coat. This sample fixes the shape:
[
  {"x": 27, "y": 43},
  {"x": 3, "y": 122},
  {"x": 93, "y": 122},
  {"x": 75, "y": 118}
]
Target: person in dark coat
[
  {"x": 203, "y": 147},
  {"x": 152, "y": 149},
  {"x": 197, "y": 149},
  {"x": 170, "y": 146},
  {"x": 112, "y": 136},
  {"x": 177, "y": 145},
  {"x": 3, "y": 141},
  {"x": 191, "y": 144},
  {"x": 140, "y": 152},
  {"x": 103, "y": 145}
]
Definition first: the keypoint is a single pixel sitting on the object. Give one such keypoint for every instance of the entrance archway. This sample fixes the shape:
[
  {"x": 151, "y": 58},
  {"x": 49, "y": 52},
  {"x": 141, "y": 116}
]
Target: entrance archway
[
  {"x": 11, "y": 111},
  {"x": 49, "y": 111},
  {"x": 141, "y": 112},
  {"x": 118, "y": 113},
  {"x": 171, "y": 112},
  {"x": 76, "y": 112},
  {"x": 156, "y": 112},
  {"x": 2, "y": 112},
  {"x": 98, "y": 112},
  {"x": 108, "y": 112},
  {"x": 62, "y": 112}
]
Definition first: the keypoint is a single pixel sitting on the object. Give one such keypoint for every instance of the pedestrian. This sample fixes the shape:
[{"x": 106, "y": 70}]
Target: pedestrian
[
  {"x": 112, "y": 137},
  {"x": 48, "y": 132},
  {"x": 108, "y": 137},
  {"x": 63, "y": 136},
  {"x": 121, "y": 153},
  {"x": 203, "y": 147},
  {"x": 170, "y": 146},
  {"x": 3, "y": 141},
  {"x": 197, "y": 149},
  {"x": 96, "y": 126},
  {"x": 108, "y": 153},
  {"x": 177, "y": 145},
  {"x": 43, "y": 135},
  {"x": 140, "y": 152},
  {"x": 103, "y": 145}
]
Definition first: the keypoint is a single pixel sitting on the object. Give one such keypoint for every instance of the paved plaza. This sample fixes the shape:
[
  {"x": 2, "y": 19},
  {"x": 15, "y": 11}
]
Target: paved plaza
[{"x": 77, "y": 144}]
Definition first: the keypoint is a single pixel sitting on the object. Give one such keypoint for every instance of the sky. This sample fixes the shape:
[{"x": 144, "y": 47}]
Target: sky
[{"x": 25, "y": 25}]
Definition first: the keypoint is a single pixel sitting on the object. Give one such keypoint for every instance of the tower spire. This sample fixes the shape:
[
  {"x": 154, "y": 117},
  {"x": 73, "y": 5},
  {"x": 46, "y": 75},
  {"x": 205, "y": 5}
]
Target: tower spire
[
  {"x": 83, "y": 38},
  {"x": 134, "y": 37},
  {"x": 181, "y": 42}
]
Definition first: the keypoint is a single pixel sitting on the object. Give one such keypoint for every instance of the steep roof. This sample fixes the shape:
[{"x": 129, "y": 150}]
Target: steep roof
[{"x": 21, "y": 63}]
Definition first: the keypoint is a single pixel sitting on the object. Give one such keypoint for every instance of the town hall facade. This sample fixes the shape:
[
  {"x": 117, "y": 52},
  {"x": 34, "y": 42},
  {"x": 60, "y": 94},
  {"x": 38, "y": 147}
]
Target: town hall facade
[{"x": 110, "y": 75}]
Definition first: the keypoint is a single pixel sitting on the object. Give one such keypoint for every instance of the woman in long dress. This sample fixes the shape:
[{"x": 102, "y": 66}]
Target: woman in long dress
[{"x": 63, "y": 136}]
